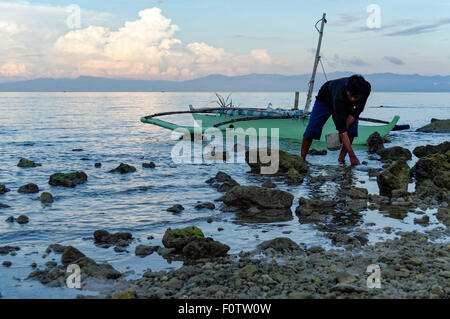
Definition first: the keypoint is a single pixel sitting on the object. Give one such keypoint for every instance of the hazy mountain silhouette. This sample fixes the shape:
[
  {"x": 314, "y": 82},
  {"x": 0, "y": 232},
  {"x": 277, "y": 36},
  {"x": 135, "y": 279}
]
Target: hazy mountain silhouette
[{"x": 387, "y": 82}]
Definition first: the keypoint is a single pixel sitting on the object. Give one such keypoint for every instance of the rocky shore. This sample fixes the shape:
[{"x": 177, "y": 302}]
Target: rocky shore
[{"x": 412, "y": 265}]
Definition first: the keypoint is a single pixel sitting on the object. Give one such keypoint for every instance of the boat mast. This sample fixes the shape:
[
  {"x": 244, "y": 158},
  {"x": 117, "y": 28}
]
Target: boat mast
[{"x": 316, "y": 63}]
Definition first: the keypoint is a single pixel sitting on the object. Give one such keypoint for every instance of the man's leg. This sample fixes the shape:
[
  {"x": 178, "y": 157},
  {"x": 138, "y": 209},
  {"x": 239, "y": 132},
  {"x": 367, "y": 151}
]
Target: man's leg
[
  {"x": 317, "y": 120},
  {"x": 352, "y": 132}
]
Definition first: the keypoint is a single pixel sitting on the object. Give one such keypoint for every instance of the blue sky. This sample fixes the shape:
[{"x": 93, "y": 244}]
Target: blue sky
[{"x": 180, "y": 39}]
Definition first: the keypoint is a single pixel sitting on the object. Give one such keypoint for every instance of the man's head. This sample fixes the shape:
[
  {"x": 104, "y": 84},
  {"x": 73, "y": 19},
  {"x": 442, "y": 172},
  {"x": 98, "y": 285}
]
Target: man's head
[{"x": 356, "y": 88}]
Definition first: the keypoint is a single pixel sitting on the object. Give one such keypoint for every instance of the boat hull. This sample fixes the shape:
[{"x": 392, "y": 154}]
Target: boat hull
[{"x": 290, "y": 128}]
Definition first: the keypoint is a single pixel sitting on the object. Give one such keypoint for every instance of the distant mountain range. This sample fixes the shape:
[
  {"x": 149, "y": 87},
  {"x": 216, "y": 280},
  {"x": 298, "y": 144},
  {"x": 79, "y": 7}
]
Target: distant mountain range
[{"x": 384, "y": 82}]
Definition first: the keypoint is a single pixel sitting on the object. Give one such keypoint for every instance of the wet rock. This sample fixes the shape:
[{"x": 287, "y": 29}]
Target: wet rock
[
  {"x": 142, "y": 250},
  {"x": 340, "y": 239},
  {"x": 175, "y": 209},
  {"x": 314, "y": 210},
  {"x": 395, "y": 177},
  {"x": 46, "y": 198},
  {"x": 269, "y": 184},
  {"x": 102, "y": 237},
  {"x": 436, "y": 126},
  {"x": 205, "y": 248},
  {"x": 422, "y": 151},
  {"x": 373, "y": 172},
  {"x": 287, "y": 161},
  {"x": 247, "y": 272},
  {"x": 222, "y": 182},
  {"x": 375, "y": 143},
  {"x": 26, "y": 163},
  {"x": 123, "y": 169},
  {"x": 317, "y": 152},
  {"x": 205, "y": 205},
  {"x": 178, "y": 238},
  {"x": 10, "y": 219},
  {"x": 22, "y": 219},
  {"x": 148, "y": 165},
  {"x": 260, "y": 197},
  {"x": 443, "y": 215},
  {"x": 7, "y": 263},
  {"x": 57, "y": 248},
  {"x": 293, "y": 177},
  {"x": 434, "y": 167},
  {"x": 394, "y": 153},
  {"x": 68, "y": 179},
  {"x": 281, "y": 244},
  {"x": 3, "y": 189},
  {"x": 131, "y": 294},
  {"x": 425, "y": 220},
  {"x": 315, "y": 249},
  {"x": 5, "y": 250},
  {"x": 355, "y": 193},
  {"x": 346, "y": 288},
  {"x": 345, "y": 278},
  {"x": 70, "y": 255},
  {"x": 98, "y": 165},
  {"x": 77, "y": 150},
  {"x": 29, "y": 189},
  {"x": 4, "y": 206}
]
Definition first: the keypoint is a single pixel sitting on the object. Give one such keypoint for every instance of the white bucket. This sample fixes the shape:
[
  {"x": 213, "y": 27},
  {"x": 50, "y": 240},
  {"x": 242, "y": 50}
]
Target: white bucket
[{"x": 333, "y": 141}]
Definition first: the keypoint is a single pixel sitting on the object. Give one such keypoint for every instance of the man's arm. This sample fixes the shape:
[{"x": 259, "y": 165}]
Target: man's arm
[{"x": 348, "y": 147}]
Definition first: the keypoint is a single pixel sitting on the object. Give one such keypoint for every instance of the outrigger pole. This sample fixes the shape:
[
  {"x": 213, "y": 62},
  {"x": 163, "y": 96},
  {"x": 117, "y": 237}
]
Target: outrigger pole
[{"x": 316, "y": 63}]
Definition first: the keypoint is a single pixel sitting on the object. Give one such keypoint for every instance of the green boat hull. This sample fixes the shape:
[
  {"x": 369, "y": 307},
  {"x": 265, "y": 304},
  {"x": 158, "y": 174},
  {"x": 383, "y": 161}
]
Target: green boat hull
[{"x": 289, "y": 128}]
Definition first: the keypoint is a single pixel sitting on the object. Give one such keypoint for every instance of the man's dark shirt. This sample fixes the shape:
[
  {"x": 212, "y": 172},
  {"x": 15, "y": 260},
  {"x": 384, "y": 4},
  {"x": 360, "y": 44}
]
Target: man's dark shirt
[{"x": 333, "y": 94}]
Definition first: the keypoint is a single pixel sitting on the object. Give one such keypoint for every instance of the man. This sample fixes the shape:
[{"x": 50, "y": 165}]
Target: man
[{"x": 344, "y": 99}]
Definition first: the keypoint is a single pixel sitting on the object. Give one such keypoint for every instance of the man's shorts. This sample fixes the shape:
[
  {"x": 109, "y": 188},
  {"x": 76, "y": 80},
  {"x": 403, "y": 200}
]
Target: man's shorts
[{"x": 317, "y": 119}]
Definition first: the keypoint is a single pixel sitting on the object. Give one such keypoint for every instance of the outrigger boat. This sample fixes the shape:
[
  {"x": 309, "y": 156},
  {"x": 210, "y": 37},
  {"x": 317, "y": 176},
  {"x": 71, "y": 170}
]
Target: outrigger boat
[{"x": 291, "y": 123}]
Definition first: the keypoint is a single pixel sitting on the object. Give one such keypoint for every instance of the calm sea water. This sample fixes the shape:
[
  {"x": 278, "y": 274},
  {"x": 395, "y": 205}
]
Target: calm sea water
[{"x": 46, "y": 127}]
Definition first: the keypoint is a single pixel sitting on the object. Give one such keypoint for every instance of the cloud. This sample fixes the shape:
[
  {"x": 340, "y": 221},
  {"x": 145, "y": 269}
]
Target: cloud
[
  {"x": 421, "y": 28},
  {"x": 336, "y": 61},
  {"x": 261, "y": 56},
  {"x": 393, "y": 60}
]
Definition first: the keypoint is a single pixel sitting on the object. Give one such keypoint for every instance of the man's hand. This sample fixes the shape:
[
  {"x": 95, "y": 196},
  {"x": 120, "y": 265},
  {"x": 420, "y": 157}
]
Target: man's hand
[{"x": 347, "y": 148}]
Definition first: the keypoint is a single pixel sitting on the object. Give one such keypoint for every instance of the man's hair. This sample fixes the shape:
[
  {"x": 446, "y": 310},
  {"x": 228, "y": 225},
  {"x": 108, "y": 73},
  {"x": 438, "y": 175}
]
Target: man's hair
[{"x": 356, "y": 85}]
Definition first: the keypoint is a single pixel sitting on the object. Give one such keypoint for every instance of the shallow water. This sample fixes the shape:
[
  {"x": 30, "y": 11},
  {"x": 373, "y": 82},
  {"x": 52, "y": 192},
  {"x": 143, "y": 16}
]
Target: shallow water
[{"x": 46, "y": 127}]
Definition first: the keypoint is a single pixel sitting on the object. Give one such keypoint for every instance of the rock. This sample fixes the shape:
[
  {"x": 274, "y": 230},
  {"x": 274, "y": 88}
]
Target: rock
[
  {"x": 104, "y": 237},
  {"x": 346, "y": 288},
  {"x": 281, "y": 244},
  {"x": 46, "y": 198},
  {"x": 260, "y": 197},
  {"x": 314, "y": 210},
  {"x": 396, "y": 176},
  {"x": 317, "y": 152},
  {"x": 175, "y": 209},
  {"x": 222, "y": 182},
  {"x": 173, "y": 283},
  {"x": 247, "y": 271},
  {"x": 98, "y": 165},
  {"x": 148, "y": 165},
  {"x": 10, "y": 219},
  {"x": 119, "y": 249},
  {"x": 375, "y": 143},
  {"x": 394, "y": 153},
  {"x": 22, "y": 219},
  {"x": 414, "y": 261},
  {"x": 142, "y": 250},
  {"x": 131, "y": 294},
  {"x": 3, "y": 189},
  {"x": 422, "y": 151},
  {"x": 293, "y": 177},
  {"x": 205, "y": 248},
  {"x": 443, "y": 215},
  {"x": 436, "y": 126},
  {"x": 437, "y": 290},
  {"x": 162, "y": 251},
  {"x": 123, "y": 169},
  {"x": 77, "y": 150},
  {"x": 7, "y": 263},
  {"x": 68, "y": 179},
  {"x": 4, "y": 206},
  {"x": 29, "y": 189},
  {"x": 287, "y": 161},
  {"x": 356, "y": 193},
  {"x": 269, "y": 184},
  {"x": 345, "y": 278},
  {"x": 70, "y": 255},
  {"x": 434, "y": 167},
  {"x": 205, "y": 205},
  {"x": 57, "y": 248},
  {"x": 25, "y": 163},
  {"x": 340, "y": 239},
  {"x": 178, "y": 238},
  {"x": 300, "y": 295},
  {"x": 425, "y": 220},
  {"x": 5, "y": 250}
]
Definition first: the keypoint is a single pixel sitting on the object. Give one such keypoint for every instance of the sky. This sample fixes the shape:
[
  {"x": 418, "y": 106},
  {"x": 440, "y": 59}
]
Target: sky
[{"x": 185, "y": 39}]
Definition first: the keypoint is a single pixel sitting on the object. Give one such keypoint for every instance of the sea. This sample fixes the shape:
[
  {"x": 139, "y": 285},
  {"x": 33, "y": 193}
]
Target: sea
[{"x": 106, "y": 127}]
